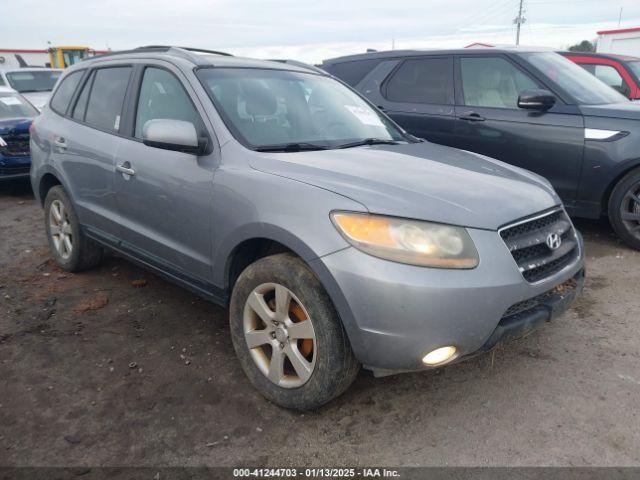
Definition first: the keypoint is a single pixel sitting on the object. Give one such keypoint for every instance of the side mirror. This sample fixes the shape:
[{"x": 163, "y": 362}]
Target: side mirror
[
  {"x": 536, "y": 99},
  {"x": 176, "y": 135}
]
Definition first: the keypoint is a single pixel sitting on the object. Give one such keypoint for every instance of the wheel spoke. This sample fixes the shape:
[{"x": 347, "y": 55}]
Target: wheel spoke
[
  {"x": 256, "y": 338},
  {"x": 260, "y": 307},
  {"x": 57, "y": 214},
  {"x": 633, "y": 196},
  {"x": 55, "y": 229},
  {"x": 631, "y": 216},
  {"x": 276, "y": 366},
  {"x": 283, "y": 300},
  {"x": 301, "y": 330},
  {"x": 300, "y": 364},
  {"x": 67, "y": 244}
]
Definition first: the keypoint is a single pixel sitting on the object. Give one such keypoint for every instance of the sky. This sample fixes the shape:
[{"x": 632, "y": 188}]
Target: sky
[{"x": 309, "y": 31}]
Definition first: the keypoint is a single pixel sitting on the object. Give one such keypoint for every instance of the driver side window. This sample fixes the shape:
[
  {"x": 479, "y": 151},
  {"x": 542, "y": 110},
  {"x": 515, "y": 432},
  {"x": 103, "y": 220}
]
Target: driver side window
[
  {"x": 493, "y": 82},
  {"x": 163, "y": 97}
]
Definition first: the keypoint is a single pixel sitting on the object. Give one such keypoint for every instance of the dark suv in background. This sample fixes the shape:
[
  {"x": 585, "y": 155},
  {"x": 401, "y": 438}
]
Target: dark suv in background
[{"x": 534, "y": 109}]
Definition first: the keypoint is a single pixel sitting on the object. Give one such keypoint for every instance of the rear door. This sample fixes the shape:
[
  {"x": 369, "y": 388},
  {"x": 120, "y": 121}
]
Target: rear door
[
  {"x": 489, "y": 122},
  {"x": 88, "y": 140},
  {"x": 165, "y": 204},
  {"x": 419, "y": 95}
]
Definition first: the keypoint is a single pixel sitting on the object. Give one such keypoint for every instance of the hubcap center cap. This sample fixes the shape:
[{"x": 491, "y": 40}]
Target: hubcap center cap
[{"x": 281, "y": 334}]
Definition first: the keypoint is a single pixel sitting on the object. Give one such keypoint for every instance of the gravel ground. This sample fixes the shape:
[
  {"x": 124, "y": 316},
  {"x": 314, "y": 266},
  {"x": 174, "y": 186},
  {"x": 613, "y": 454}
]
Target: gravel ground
[{"x": 118, "y": 367}]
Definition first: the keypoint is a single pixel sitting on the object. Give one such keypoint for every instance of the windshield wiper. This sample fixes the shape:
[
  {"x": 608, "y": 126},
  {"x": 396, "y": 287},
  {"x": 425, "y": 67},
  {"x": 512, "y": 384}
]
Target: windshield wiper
[
  {"x": 368, "y": 141},
  {"x": 291, "y": 147}
]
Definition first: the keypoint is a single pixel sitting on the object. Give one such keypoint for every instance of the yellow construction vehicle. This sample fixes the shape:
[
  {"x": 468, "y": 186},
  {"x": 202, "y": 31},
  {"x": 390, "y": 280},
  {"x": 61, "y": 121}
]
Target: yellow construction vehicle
[{"x": 63, "y": 57}]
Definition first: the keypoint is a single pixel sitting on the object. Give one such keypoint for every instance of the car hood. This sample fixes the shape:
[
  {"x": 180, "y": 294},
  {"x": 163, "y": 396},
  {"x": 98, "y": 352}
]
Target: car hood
[
  {"x": 37, "y": 99},
  {"x": 14, "y": 125},
  {"x": 421, "y": 180},
  {"x": 626, "y": 110}
]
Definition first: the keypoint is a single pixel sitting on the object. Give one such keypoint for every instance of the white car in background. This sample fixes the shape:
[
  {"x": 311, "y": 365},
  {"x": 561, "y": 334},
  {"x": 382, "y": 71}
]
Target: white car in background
[{"x": 35, "y": 84}]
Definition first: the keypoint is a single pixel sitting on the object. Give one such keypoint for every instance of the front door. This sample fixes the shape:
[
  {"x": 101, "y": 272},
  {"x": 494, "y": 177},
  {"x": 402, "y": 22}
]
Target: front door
[
  {"x": 489, "y": 122},
  {"x": 165, "y": 201}
]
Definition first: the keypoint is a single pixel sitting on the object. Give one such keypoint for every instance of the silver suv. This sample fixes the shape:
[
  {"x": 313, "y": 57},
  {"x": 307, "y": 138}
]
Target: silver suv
[{"x": 335, "y": 238}]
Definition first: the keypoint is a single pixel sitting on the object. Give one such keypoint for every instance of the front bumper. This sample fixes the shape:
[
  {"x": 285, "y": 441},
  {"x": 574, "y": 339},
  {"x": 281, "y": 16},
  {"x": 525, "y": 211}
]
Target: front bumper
[{"x": 395, "y": 314}]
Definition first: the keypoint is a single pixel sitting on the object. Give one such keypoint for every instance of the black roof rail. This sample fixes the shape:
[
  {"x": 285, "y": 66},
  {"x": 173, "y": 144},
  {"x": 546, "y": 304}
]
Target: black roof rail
[
  {"x": 193, "y": 49},
  {"x": 300, "y": 64},
  {"x": 161, "y": 48}
]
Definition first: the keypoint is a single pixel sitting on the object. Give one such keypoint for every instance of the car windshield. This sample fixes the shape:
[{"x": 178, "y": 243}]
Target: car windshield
[
  {"x": 634, "y": 67},
  {"x": 577, "y": 82},
  {"x": 33, "y": 81},
  {"x": 13, "y": 105},
  {"x": 291, "y": 111}
]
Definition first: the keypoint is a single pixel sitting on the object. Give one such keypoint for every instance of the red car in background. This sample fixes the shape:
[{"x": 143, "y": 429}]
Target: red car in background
[{"x": 620, "y": 72}]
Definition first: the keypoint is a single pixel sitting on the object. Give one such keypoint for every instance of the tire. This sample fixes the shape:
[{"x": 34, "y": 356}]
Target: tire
[
  {"x": 84, "y": 252},
  {"x": 624, "y": 209},
  {"x": 329, "y": 357}
]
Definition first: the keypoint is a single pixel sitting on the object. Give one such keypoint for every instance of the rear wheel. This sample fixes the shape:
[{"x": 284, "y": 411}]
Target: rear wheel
[
  {"x": 70, "y": 248},
  {"x": 624, "y": 209},
  {"x": 287, "y": 334}
]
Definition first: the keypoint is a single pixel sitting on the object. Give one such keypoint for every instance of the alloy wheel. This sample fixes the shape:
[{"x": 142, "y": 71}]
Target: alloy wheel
[
  {"x": 280, "y": 335},
  {"x": 630, "y": 210},
  {"x": 60, "y": 229}
]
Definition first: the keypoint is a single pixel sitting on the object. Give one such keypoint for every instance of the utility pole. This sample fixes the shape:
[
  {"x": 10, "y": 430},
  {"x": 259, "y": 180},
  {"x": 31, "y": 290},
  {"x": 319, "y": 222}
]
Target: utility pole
[
  {"x": 620, "y": 17},
  {"x": 519, "y": 20}
]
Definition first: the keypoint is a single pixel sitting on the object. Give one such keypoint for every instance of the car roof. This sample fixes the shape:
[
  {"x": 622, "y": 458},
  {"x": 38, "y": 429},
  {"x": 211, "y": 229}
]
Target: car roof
[
  {"x": 410, "y": 53},
  {"x": 611, "y": 56},
  {"x": 200, "y": 58}
]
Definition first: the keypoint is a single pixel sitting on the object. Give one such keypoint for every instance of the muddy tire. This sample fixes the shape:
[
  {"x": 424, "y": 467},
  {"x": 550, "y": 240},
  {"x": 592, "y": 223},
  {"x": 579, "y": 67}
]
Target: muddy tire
[
  {"x": 70, "y": 248},
  {"x": 624, "y": 209},
  {"x": 288, "y": 336}
]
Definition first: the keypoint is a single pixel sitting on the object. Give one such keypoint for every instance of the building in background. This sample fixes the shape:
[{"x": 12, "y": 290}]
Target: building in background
[{"x": 623, "y": 41}]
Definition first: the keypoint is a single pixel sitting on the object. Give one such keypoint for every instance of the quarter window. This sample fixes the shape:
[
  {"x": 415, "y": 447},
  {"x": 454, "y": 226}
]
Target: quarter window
[
  {"x": 62, "y": 97},
  {"x": 162, "y": 96},
  {"x": 81, "y": 104},
  {"x": 493, "y": 82},
  {"x": 104, "y": 108},
  {"x": 423, "y": 80}
]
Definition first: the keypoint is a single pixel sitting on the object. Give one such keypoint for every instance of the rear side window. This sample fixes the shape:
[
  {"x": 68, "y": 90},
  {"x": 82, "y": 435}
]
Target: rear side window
[
  {"x": 104, "y": 107},
  {"x": 162, "y": 96},
  {"x": 81, "y": 104},
  {"x": 352, "y": 72},
  {"x": 422, "y": 80},
  {"x": 62, "y": 97}
]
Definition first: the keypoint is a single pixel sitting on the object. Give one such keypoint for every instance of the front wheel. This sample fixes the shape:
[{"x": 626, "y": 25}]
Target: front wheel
[
  {"x": 624, "y": 209},
  {"x": 287, "y": 334}
]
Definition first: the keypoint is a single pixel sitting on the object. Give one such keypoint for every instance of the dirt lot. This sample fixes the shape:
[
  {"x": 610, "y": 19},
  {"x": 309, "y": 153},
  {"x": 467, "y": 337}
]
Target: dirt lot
[{"x": 118, "y": 367}]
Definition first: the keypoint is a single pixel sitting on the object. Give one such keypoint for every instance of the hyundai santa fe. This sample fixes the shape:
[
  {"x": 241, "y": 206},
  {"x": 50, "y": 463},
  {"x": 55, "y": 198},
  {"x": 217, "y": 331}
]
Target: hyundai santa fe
[
  {"x": 533, "y": 109},
  {"x": 335, "y": 239}
]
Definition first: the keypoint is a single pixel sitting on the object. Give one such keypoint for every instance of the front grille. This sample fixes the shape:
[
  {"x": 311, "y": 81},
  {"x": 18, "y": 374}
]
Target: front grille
[
  {"x": 14, "y": 169},
  {"x": 17, "y": 145},
  {"x": 527, "y": 242}
]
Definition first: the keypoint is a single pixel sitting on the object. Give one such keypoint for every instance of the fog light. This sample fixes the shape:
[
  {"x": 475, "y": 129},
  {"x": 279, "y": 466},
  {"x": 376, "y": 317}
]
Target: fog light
[{"x": 439, "y": 355}]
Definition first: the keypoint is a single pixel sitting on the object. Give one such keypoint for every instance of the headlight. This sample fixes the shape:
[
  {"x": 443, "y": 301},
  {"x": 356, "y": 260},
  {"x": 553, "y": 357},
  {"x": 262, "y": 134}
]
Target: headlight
[{"x": 408, "y": 241}]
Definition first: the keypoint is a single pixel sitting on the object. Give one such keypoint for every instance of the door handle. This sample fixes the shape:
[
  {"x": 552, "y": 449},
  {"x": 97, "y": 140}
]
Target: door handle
[
  {"x": 126, "y": 169},
  {"x": 472, "y": 117},
  {"x": 60, "y": 142}
]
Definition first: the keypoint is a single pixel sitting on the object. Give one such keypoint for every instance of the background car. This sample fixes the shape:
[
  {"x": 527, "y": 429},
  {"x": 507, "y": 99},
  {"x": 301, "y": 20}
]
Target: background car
[
  {"x": 16, "y": 114},
  {"x": 533, "y": 109},
  {"x": 620, "y": 72},
  {"x": 35, "y": 84}
]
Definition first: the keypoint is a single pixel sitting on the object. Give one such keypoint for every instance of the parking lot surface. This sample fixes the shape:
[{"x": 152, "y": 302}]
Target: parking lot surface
[{"x": 115, "y": 366}]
